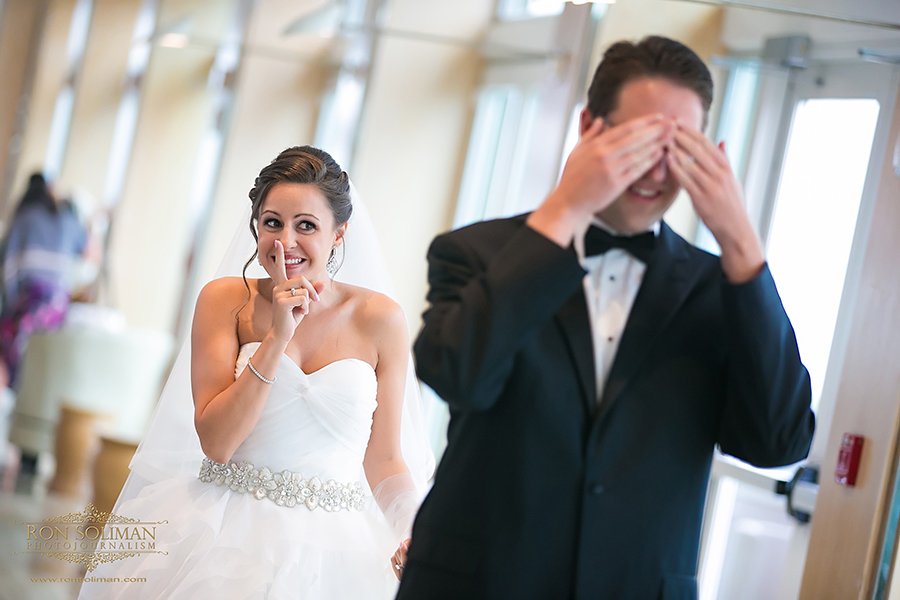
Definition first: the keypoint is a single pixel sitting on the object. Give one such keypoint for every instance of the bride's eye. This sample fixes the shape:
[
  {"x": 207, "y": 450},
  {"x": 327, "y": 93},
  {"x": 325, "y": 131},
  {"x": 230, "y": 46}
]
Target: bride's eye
[
  {"x": 306, "y": 226},
  {"x": 272, "y": 223}
]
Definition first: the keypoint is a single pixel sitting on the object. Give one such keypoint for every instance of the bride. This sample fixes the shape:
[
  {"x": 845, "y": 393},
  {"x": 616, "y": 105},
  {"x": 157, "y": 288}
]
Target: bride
[{"x": 301, "y": 387}]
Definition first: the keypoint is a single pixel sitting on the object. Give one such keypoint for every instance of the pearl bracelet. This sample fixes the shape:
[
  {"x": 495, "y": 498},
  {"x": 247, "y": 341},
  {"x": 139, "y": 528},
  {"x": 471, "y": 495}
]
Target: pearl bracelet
[{"x": 258, "y": 374}]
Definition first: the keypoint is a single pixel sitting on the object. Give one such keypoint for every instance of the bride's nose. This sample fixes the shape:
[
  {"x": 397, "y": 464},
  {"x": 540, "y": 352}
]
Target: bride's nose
[{"x": 287, "y": 239}]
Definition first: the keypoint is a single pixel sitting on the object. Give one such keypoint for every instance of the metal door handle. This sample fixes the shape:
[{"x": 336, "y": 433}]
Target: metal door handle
[{"x": 801, "y": 492}]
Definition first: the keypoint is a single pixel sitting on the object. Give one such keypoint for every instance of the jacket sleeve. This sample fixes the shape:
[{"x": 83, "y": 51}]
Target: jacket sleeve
[
  {"x": 767, "y": 420},
  {"x": 483, "y": 308}
]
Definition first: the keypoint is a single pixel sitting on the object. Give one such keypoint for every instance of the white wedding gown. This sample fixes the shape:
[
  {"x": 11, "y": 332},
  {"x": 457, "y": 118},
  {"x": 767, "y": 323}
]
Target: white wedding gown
[{"x": 227, "y": 544}]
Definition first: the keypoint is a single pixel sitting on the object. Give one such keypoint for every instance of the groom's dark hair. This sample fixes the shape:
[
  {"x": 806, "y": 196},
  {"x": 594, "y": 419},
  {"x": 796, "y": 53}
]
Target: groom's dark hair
[{"x": 653, "y": 56}]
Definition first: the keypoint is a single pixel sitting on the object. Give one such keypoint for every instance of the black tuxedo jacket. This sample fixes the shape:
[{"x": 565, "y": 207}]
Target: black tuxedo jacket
[{"x": 543, "y": 491}]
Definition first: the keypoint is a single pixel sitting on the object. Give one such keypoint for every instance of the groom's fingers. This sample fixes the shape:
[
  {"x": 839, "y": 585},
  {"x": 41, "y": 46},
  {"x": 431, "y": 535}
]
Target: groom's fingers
[
  {"x": 642, "y": 162},
  {"x": 643, "y": 142},
  {"x": 625, "y": 136}
]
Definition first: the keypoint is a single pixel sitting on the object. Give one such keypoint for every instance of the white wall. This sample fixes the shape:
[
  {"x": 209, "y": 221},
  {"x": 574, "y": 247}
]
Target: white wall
[{"x": 414, "y": 133}]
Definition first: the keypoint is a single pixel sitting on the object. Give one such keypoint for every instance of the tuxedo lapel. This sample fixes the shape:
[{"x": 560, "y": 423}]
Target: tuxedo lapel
[
  {"x": 667, "y": 282},
  {"x": 576, "y": 328}
]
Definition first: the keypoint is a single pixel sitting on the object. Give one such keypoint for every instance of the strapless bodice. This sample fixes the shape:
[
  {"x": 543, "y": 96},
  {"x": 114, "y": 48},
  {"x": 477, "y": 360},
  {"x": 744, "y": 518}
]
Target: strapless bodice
[{"x": 317, "y": 423}]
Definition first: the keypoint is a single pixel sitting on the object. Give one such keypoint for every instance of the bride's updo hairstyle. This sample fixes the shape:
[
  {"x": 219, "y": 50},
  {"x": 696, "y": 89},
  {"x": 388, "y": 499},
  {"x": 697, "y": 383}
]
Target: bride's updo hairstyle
[{"x": 302, "y": 164}]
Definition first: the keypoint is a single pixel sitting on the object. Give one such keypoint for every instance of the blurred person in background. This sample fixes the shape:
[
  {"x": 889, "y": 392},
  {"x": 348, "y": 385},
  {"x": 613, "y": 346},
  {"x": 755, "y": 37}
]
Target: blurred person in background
[{"x": 43, "y": 240}]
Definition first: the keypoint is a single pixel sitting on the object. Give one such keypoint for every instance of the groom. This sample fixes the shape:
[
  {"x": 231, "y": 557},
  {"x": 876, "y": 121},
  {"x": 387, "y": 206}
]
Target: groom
[{"x": 592, "y": 360}]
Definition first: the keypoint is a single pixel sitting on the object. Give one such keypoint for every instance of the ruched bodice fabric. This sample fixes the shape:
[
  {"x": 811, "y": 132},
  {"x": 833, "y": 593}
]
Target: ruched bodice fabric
[{"x": 322, "y": 420}]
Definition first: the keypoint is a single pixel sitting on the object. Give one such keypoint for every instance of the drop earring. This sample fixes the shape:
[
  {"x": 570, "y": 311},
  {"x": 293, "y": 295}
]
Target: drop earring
[{"x": 332, "y": 265}]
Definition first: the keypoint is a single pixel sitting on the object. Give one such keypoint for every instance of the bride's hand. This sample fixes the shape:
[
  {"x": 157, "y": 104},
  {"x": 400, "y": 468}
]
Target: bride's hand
[
  {"x": 398, "y": 560},
  {"x": 290, "y": 298}
]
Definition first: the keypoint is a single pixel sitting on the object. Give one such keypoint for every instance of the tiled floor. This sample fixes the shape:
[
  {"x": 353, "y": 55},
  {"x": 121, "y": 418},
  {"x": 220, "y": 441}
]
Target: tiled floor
[{"x": 26, "y": 576}]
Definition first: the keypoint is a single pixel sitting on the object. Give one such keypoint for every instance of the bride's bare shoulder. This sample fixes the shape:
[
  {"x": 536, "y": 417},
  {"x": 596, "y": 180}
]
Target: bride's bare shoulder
[
  {"x": 227, "y": 293},
  {"x": 226, "y": 287},
  {"x": 374, "y": 311}
]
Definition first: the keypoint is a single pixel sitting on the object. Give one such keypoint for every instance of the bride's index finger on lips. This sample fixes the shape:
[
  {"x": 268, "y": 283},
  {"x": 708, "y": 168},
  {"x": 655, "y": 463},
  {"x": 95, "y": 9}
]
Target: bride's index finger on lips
[{"x": 280, "y": 271}]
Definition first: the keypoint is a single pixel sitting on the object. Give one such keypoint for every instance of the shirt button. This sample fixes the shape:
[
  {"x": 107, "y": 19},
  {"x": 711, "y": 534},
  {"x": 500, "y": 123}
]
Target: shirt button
[{"x": 597, "y": 489}]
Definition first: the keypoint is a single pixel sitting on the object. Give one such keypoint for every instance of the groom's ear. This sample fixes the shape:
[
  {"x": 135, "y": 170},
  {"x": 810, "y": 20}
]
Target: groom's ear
[{"x": 585, "y": 121}]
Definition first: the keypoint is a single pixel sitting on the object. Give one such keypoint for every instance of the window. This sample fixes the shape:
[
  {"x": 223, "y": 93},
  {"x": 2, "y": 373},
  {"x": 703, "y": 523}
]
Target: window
[
  {"x": 512, "y": 10},
  {"x": 490, "y": 188},
  {"x": 814, "y": 219},
  {"x": 65, "y": 100},
  {"x": 528, "y": 9}
]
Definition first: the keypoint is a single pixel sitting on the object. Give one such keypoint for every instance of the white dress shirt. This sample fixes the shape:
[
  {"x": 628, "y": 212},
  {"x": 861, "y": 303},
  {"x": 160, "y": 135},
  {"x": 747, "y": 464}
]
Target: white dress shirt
[{"x": 610, "y": 287}]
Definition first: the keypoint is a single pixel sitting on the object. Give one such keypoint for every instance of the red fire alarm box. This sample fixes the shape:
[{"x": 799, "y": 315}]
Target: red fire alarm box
[{"x": 848, "y": 459}]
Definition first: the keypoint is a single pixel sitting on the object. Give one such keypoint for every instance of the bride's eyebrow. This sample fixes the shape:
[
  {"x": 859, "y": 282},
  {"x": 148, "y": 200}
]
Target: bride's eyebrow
[{"x": 297, "y": 216}]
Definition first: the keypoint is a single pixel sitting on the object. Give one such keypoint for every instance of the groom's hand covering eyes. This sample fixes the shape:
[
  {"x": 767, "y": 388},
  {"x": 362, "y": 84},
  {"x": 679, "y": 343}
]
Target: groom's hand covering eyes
[
  {"x": 703, "y": 170},
  {"x": 609, "y": 158}
]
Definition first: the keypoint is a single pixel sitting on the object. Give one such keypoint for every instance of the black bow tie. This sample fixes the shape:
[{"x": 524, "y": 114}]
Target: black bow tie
[{"x": 598, "y": 241}]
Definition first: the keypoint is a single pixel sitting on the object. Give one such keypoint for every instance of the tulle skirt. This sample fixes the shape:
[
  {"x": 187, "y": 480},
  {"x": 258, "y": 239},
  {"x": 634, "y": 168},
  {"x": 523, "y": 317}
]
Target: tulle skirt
[{"x": 227, "y": 545}]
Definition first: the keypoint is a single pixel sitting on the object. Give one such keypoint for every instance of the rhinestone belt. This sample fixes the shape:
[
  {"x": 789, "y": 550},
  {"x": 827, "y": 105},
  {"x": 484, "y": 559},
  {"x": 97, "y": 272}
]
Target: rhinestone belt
[{"x": 287, "y": 488}]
